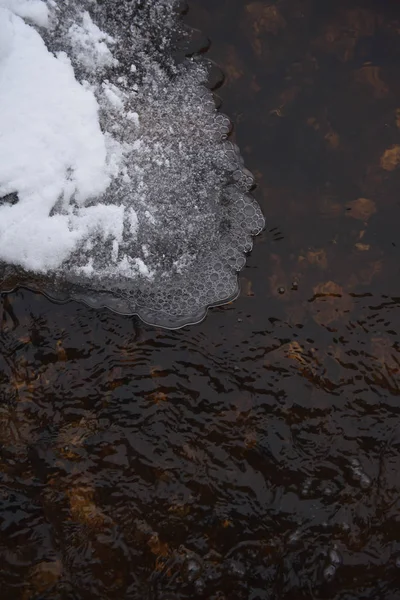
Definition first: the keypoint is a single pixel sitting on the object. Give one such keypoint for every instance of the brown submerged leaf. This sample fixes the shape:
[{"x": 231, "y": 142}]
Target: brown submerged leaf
[
  {"x": 266, "y": 19},
  {"x": 370, "y": 75},
  {"x": 234, "y": 68},
  {"x": 43, "y": 576},
  {"x": 296, "y": 352},
  {"x": 329, "y": 303},
  {"x": 83, "y": 509},
  {"x": 390, "y": 159},
  {"x": 362, "y": 208},
  {"x": 247, "y": 287},
  {"x": 384, "y": 352},
  {"x": 158, "y": 547},
  {"x": 362, "y": 247},
  {"x": 330, "y": 289},
  {"x": 333, "y": 139},
  {"x": 317, "y": 257},
  {"x": 158, "y": 397},
  {"x": 226, "y": 523},
  {"x": 61, "y": 353},
  {"x": 366, "y": 275}
]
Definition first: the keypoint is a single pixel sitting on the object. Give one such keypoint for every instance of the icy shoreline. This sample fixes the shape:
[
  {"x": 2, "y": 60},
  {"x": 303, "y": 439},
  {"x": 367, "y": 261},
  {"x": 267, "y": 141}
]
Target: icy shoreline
[{"x": 117, "y": 183}]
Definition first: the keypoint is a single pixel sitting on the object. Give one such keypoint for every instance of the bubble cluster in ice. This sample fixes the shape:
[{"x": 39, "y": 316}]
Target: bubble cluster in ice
[{"x": 127, "y": 193}]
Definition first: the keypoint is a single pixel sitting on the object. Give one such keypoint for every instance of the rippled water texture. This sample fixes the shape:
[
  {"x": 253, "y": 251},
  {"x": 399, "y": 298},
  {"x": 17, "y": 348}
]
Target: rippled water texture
[{"x": 255, "y": 456}]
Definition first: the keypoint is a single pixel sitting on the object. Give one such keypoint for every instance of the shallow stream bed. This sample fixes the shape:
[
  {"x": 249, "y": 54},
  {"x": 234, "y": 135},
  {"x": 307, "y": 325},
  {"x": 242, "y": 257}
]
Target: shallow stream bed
[{"x": 255, "y": 456}]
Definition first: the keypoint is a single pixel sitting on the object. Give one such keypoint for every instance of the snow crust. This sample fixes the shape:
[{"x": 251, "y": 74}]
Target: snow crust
[{"x": 52, "y": 149}]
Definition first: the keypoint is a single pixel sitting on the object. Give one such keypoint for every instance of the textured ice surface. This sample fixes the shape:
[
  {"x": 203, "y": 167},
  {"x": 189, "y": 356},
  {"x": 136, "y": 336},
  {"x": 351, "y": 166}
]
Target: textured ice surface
[{"x": 121, "y": 188}]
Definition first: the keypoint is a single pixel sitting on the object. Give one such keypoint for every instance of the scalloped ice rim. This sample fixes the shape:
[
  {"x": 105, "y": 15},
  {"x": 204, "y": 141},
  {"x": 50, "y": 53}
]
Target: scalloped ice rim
[
  {"x": 192, "y": 320},
  {"x": 149, "y": 316}
]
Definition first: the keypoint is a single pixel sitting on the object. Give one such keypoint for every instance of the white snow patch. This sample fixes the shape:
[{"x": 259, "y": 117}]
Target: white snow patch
[
  {"x": 35, "y": 11},
  {"x": 134, "y": 117},
  {"x": 114, "y": 95},
  {"x": 51, "y": 149},
  {"x": 150, "y": 217},
  {"x": 89, "y": 44},
  {"x": 142, "y": 267},
  {"x": 133, "y": 222}
]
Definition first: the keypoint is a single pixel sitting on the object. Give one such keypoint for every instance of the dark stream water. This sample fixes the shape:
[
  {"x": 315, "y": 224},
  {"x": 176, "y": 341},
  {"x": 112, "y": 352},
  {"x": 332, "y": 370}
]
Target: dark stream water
[{"x": 257, "y": 455}]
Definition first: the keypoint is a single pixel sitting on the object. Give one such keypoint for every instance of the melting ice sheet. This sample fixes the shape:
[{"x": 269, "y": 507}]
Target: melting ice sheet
[{"x": 118, "y": 186}]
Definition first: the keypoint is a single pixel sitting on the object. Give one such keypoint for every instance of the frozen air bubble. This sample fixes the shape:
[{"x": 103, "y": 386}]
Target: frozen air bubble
[
  {"x": 365, "y": 481},
  {"x": 237, "y": 569},
  {"x": 359, "y": 475},
  {"x": 305, "y": 490},
  {"x": 334, "y": 557},
  {"x": 192, "y": 569},
  {"x": 199, "y": 586},
  {"x": 329, "y": 573}
]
